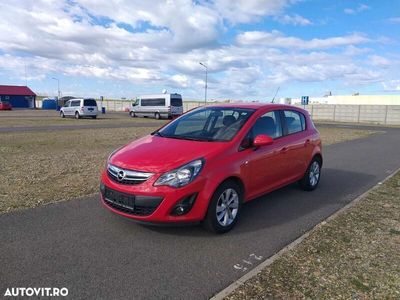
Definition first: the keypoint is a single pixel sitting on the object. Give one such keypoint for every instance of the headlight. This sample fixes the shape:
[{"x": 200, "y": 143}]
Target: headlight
[{"x": 181, "y": 176}]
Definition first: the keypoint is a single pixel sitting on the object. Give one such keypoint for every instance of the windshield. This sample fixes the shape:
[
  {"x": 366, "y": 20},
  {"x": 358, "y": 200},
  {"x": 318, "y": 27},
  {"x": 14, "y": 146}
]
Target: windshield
[{"x": 207, "y": 124}]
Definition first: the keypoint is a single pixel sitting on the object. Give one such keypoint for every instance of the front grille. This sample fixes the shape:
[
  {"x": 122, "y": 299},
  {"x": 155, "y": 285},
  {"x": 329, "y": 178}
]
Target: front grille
[
  {"x": 130, "y": 204},
  {"x": 127, "y": 176}
]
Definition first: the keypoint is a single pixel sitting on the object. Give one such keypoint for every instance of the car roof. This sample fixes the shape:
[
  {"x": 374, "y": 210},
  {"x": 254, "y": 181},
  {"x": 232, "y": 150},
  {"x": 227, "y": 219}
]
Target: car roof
[
  {"x": 76, "y": 99},
  {"x": 256, "y": 105}
]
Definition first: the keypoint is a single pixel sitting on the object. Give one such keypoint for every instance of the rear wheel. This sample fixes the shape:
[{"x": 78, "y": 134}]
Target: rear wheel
[
  {"x": 224, "y": 208},
  {"x": 77, "y": 115},
  {"x": 311, "y": 178},
  {"x": 157, "y": 115}
]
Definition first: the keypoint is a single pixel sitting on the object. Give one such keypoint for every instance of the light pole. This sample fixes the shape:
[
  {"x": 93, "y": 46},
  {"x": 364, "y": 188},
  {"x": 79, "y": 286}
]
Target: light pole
[
  {"x": 205, "y": 87},
  {"x": 58, "y": 86}
]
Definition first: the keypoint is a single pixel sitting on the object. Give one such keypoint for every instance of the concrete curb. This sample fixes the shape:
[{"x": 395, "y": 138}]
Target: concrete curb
[{"x": 229, "y": 289}]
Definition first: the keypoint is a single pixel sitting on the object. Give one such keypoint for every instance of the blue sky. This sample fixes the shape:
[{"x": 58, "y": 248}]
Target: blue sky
[{"x": 251, "y": 47}]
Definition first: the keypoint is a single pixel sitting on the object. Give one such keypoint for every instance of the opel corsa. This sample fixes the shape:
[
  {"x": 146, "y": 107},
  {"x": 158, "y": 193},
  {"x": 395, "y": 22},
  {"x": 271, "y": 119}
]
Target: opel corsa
[{"x": 203, "y": 166}]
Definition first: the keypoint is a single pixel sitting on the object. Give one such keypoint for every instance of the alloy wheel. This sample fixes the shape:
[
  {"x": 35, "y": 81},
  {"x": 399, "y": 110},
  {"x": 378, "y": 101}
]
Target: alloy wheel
[
  {"x": 227, "y": 207},
  {"x": 314, "y": 173}
]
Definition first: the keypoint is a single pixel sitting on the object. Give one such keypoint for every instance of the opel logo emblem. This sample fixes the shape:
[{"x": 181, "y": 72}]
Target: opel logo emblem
[{"x": 121, "y": 175}]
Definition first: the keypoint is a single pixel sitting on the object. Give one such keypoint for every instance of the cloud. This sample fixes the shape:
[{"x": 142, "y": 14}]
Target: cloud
[
  {"x": 358, "y": 9},
  {"x": 278, "y": 40},
  {"x": 395, "y": 20},
  {"x": 151, "y": 45},
  {"x": 380, "y": 61},
  {"x": 391, "y": 85},
  {"x": 250, "y": 11},
  {"x": 293, "y": 20}
]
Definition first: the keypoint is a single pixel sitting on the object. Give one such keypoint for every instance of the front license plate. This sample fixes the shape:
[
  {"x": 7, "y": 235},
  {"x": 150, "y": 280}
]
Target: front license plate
[{"x": 123, "y": 200}]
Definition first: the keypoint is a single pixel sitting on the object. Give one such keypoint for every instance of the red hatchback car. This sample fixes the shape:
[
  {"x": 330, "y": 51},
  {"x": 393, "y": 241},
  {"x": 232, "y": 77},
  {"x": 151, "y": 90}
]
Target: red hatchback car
[
  {"x": 4, "y": 105},
  {"x": 204, "y": 165}
]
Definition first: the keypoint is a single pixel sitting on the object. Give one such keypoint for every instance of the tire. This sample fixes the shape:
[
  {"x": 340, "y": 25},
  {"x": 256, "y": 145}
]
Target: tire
[
  {"x": 157, "y": 115},
  {"x": 62, "y": 115},
  {"x": 77, "y": 115},
  {"x": 94, "y": 117},
  {"x": 214, "y": 221},
  {"x": 311, "y": 178},
  {"x": 132, "y": 114}
]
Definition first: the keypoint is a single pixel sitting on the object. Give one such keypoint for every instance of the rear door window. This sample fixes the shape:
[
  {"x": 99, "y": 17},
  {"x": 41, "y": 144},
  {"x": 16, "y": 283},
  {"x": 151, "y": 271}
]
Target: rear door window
[
  {"x": 295, "y": 121},
  {"x": 89, "y": 102},
  {"x": 75, "y": 103},
  {"x": 176, "y": 101}
]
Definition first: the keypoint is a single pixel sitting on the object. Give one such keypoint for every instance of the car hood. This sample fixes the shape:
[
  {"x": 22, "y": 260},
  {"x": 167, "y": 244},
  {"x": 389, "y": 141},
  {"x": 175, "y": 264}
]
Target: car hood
[{"x": 159, "y": 154}]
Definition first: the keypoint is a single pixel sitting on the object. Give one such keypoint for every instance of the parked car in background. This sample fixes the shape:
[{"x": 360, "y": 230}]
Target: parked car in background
[
  {"x": 205, "y": 164},
  {"x": 5, "y": 105},
  {"x": 80, "y": 108},
  {"x": 157, "y": 106}
]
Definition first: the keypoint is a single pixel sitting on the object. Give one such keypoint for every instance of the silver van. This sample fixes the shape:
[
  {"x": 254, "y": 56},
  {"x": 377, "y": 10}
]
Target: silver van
[
  {"x": 80, "y": 108},
  {"x": 157, "y": 106}
]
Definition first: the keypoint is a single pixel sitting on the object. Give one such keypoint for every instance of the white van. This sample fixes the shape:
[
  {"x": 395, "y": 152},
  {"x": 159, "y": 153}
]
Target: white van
[
  {"x": 157, "y": 106},
  {"x": 80, "y": 108}
]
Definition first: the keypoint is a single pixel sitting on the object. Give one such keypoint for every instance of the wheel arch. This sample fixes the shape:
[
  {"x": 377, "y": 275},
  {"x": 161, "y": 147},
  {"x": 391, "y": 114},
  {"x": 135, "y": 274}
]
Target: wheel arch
[
  {"x": 319, "y": 157},
  {"x": 236, "y": 180}
]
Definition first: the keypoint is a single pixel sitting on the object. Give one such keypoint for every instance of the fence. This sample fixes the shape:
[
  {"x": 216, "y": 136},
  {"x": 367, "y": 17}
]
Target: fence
[{"x": 371, "y": 114}]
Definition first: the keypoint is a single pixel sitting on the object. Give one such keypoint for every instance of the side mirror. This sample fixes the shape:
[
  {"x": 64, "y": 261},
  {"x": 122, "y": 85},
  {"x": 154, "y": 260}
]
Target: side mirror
[{"x": 262, "y": 140}]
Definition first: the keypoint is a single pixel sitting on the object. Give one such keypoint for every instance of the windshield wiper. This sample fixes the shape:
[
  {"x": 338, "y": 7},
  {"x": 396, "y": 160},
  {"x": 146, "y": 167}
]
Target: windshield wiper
[
  {"x": 158, "y": 134},
  {"x": 193, "y": 138},
  {"x": 183, "y": 137}
]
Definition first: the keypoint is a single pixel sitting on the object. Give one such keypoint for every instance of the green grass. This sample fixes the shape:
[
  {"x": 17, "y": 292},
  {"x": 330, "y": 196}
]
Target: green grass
[{"x": 42, "y": 167}]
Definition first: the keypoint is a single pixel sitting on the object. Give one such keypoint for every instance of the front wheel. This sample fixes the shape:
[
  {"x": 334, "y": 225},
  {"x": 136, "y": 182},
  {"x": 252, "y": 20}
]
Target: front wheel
[
  {"x": 132, "y": 114},
  {"x": 62, "y": 114},
  {"x": 311, "y": 178},
  {"x": 157, "y": 115},
  {"x": 224, "y": 208}
]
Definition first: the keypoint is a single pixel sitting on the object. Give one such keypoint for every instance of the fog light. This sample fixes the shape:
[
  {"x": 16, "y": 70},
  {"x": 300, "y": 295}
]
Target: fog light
[
  {"x": 184, "y": 206},
  {"x": 102, "y": 188}
]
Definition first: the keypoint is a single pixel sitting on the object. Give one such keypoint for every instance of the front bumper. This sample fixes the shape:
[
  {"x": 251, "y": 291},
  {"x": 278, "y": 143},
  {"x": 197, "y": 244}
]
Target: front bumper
[{"x": 154, "y": 204}]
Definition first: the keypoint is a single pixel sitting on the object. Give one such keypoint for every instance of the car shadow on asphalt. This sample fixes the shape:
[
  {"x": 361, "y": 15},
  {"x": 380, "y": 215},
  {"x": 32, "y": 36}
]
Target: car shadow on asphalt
[{"x": 287, "y": 204}]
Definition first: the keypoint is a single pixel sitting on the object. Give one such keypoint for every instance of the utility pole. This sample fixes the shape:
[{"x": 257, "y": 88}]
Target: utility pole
[
  {"x": 205, "y": 87},
  {"x": 58, "y": 86}
]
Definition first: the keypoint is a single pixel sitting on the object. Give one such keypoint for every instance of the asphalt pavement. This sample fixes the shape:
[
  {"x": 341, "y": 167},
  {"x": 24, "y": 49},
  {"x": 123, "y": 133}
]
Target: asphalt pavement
[
  {"x": 84, "y": 126},
  {"x": 97, "y": 255}
]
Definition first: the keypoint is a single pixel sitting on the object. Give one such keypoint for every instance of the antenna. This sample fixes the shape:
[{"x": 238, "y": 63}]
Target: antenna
[
  {"x": 277, "y": 90},
  {"x": 26, "y": 79}
]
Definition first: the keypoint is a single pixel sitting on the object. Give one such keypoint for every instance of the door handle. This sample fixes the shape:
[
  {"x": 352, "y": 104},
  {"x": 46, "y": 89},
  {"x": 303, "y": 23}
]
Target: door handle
[
  {"x": 306, "y": 142},
  {"x": 284, "y": 150}
]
